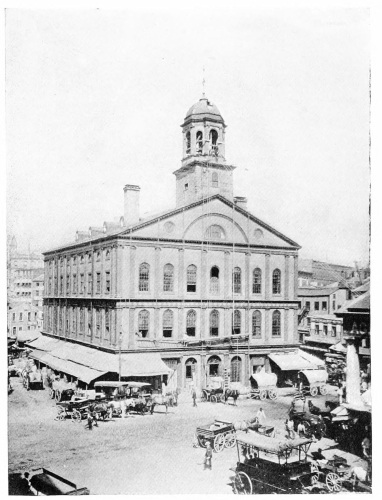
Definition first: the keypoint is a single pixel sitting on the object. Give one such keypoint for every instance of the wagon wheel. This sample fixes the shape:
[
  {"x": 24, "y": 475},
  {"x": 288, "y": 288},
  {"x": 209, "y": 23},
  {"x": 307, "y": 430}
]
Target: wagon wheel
[
  {"x": 263, "y": 395},
  {"x": 76, "y": 416},
  {"x": 272, "y": 394},
  {"x": 242, "y": 484},
  {"x": 313, "y": 391},
  {"x": 323, "y": 390},
  {"x": 51, "y": 393},
  {"x": 202, "y": 441},
  {"x": 57, "y": 396},
  {"x": 213, "y": 398},
  {"x": 315, "y": 473},
  {"x": 230, "y": 440},
  {"x": 61, "y": 415},
  {"x": 333, "y": 482},
  {"x": 219, "y": 443}
]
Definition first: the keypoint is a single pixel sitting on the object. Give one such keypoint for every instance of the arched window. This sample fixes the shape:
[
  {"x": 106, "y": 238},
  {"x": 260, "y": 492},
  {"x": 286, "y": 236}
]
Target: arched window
[
  {"x": 168, "y": 323},
  {"x": 215, "y": 232},
  {"x": 214, "y": 280},
  {"x": 90, "y": 321},
  {"x": 144, "y": 277},
  {"x": 236, "y": 322},
  {"x": 191, "y": 323},
  {"x": 190, "y": 367},
  {"x": 276, "y": 281},
  {"x": 276, "y": 324},
  {"x": 107, "y": 255},
  {"x": 256, "y": 285},
  {"x": 199, "y": 142},
  {"x": 214, "y": 366},
  {"x": 191, "y": 278},
  {"x": 256, "y": 324},
  {"x": 143, "y": 322},
  {"x": 214, "y": 323},
  {"x": 168, "y": 278},
  {"x": 236, "y": 280},
  {"x": 214, "y": 179},
  {"x": 188, "y": 143},
  {"x": 236, "y": 369}
]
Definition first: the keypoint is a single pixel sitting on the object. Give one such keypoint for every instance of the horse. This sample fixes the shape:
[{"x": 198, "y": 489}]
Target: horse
[
  {"x": 173, "y": 398},
  {"x": 116, "y": 408},
  {"x": 137, "y": 405},
  {"x": 158, "y": 400},
  {"x": 314, "y": 410},
  {"x": 231, "y": 393},
  {"x": 101, "y": 410}
]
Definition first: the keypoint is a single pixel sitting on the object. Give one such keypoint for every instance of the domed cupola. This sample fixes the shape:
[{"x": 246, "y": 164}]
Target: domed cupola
[
  {"x": 204, "y": 171},
  {"x": 203, "y": 133}
]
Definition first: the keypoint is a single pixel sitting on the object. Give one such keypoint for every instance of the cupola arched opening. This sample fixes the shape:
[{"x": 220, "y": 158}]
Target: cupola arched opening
[
  {"x": 199, "y": 142},
  {"x": 188, "y": 143}
]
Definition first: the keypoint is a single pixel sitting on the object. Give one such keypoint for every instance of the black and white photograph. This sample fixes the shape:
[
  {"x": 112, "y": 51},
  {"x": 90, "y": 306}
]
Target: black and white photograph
[{"x": 188, "y": 227}]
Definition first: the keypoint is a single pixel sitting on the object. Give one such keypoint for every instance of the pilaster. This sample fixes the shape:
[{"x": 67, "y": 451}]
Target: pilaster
[
  {"x": 227, "y": 268},
  {"x": 132, "y": 273},
  {"x": 286, "y": 279},
  {"x": 267, "y": 277}
]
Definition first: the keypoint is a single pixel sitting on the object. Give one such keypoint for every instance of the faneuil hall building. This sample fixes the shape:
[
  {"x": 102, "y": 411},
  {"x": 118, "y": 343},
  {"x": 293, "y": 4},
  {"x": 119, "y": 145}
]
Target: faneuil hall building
[{"x": 203, "y": 290}]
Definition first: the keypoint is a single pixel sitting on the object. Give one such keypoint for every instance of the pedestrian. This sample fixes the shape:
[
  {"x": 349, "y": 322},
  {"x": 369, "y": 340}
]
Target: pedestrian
[
  {"x": 261, "y": 416},
  {"x": 366, "y": 445},
  {"x": 90, "y": 421},
  {"x": 194, "y": 397},
  {"x": 289, "y": 426},
  {"x": 208, "y": 456},
  {"x": 301, "y": 430},
  {"x": 340, "y": 393}
]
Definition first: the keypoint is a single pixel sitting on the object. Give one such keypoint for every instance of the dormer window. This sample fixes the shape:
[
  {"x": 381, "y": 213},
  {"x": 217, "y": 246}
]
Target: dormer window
[{"x": 199, "y": 142}]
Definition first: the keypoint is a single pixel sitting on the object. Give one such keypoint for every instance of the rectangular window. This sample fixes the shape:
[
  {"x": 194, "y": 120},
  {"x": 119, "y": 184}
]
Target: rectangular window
[
  {"x": 82, "y": 320},
  {"x": 82, "y": 283},
  {"x": 98, "y": 282},
  {"x": 20, "y": 316},
  {"x": 334, "y": 305},
  {"x": 324, "y": 306},
  {"x": 50, "y": 285},
  {"x": 325, "y": 330},
  {"x": 29, "y": 316},
  {"x": 61, "y": 285},
  {"x": 74, "y": 320},
  {"x": 98, "y": 322},
  {"x": 90, "y": 283},
  {"x": 334, "y": 331},
  {"x": 317, "y": 329},
  {"x": 14, "y": 330},
  {"x": 189, "y": 371},
  {"x": 107, "y": 322},
  {"x": 307, "y": 305},
  {"x": 316, "y": 306},
  {"x": 74, "y": 283},
  {"x": 14, "y": 317},
  {"x": 107, "y": 282}
]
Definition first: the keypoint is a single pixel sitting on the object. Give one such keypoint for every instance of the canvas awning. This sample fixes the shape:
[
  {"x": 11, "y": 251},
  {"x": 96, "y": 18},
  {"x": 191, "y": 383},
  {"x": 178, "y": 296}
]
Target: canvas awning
[
  {"x": 27, "y": 335},
  {"x": 264, "y": 379},
  {"x": 316, "y": 376},
  {"x": 269, "y": 444},
  {"x": 148, "y": 364},
  {"x": 338, "y": 348},
  {"x": 288, "y": 362}
]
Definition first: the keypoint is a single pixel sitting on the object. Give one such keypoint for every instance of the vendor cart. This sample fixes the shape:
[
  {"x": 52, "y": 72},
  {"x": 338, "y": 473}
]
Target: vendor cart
[
  {"x": 263, "y": 385},
  {"x": 76, "y": 409},
  {"x": 313, "y": 381},
  {"x": 219, "y": 433}
]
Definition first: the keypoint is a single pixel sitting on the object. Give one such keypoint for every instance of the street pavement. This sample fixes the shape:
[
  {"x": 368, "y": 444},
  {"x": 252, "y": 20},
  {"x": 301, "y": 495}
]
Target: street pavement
[{"x": 150, "y": 454}]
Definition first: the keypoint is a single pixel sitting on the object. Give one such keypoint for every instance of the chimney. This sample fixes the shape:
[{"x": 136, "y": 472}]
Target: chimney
[
  {"x": 131, "y": 214},
  {"x": 241, "y": 202}
]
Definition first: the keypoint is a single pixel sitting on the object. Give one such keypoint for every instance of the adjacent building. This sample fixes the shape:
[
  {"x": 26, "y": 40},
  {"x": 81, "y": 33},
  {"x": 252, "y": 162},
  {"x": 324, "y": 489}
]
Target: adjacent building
[{"x": 204, "y": 289}]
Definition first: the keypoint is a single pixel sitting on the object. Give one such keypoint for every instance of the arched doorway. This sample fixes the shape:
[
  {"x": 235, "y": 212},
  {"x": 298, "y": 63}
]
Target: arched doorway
[
  {"x": 190, "y": 373},
  {"x": 214, "y": 369},
  {"x": 236, "y": 366}
]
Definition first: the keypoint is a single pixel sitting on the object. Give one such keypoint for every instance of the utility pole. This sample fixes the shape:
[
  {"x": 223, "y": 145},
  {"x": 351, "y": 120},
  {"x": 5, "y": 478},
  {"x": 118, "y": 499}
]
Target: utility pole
[{"x": 120, "y": 359}]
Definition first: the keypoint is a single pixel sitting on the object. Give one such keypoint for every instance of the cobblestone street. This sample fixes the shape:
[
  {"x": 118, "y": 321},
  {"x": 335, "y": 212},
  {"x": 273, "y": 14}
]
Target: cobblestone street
[{"x": 148, "y": 455}]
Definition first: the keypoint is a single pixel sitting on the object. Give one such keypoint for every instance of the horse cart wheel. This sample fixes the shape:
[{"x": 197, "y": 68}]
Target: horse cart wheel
[
  {"x": 333, "y": 482},
  {"x": 263, "y": 395},
  {"x": 219, "y": 443},
  {"x": 213, "y": 399},
  {"x": 272, "y": 394},
  {"x": 61, "y": 415},
  {"x": 315, "y": 473},
  {"x": 323, "y": 390},
  {"x": 230, "y": 440},
  {"x": 57, "y": 396},
  {"x": 76, "y": 416},
  {"x": 313, "y": 391},
  {"x": 242, "y": 484}
]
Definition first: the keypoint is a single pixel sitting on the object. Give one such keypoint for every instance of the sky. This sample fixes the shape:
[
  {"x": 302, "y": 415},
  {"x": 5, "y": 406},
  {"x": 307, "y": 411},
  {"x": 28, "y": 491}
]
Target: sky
[{"x": 95, "y": 100}]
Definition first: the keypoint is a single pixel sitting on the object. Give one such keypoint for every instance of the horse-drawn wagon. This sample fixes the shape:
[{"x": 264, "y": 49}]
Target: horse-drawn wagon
[
  {"x": 263, "y": 385},
  {"x": 60, "y": 389},
  {"x": 77, "y": 410},
  {"x": 219, "y": 433},
  {"x": 270, "y": 465},
  {"x": 313, "y": 382},
  {"x": 214, "y": 391},
  {"x": 124, "y": 397}
]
